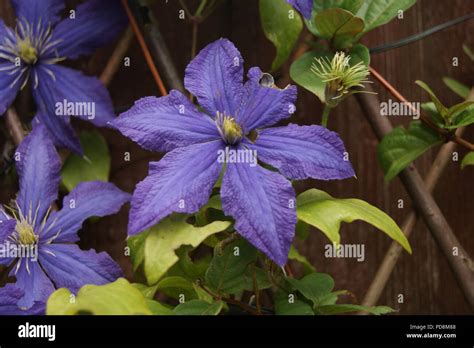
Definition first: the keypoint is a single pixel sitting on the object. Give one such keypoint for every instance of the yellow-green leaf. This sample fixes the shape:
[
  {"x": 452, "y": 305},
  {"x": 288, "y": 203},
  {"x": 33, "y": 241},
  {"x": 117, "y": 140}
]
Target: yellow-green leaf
[
  {"x": 319, "y": 209},
  {"x": 117, "y": 298}
]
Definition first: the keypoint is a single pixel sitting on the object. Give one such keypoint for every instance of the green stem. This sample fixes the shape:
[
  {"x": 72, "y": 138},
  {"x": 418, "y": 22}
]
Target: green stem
[
  {"x": 201, "y": 7},
  {"x": 327, "y": 110}
]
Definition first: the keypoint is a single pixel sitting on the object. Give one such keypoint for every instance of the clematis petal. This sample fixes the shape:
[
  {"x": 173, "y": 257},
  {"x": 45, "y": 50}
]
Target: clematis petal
[
  {"x": 93, "y": 198},
  {"x": 181, "y": 182},
  {"x": 11, "y": 80},
  {"x": 262, "y": 203},
  {"x": 305, "y": 7},
  {"x": 264, "y": 106},
  {"x": 10, "y": 295},
  {"x": 215, "y": 77},
  {"x": 31, "y": 278},
  {"x": 72, "y": 93},
  {"x": 70, "y": 267},
  {"x": 96, "y": 23},
  {"x": 7, "y": 226},
  {"x": 301, "y": 152},
  {"x": 163, "y": 124},
  {"x": 46, "y": 12},
  {"x": 38, "y": 165}
]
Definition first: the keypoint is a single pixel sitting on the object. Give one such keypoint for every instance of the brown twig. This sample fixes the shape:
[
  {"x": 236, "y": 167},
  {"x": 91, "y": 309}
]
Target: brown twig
[
  {"x": 14, "y": 126},
  {"x": 144, "y": 47},
  {"x": 444, "y": 133},
  {"x": 117, "y": 57},
  {"x": 460, "y": 262},
  {"x": 391, "y": 257}
]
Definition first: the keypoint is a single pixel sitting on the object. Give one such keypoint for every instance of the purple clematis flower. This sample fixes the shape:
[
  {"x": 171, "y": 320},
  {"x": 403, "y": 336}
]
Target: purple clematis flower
[
  {"x": 30, "y": 53},
  {"x": 305, "y": 7},
  {"x": 38, "y": 244},
  {"x": 229, "y": 135}
]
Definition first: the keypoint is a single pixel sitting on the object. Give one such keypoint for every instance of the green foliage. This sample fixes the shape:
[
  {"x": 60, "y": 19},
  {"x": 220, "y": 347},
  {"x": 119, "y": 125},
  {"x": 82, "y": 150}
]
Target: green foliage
[
  {"x": 117, "y": 298},
  {"x": 301, "y": 73},
  {"x": 457, "y": 87},
  {"x": 296, "y": 256},
  {"x": 319, "y": 209},
  {"x": 468, "y": 52},
  {"x": 316, "y": 296},
  {"x": 338, "y": 26},
  {"x": 155, "y": 249},
  {"x": 468, "y": 160},
  {"x": 95, "y": 165},
  {"x": 233, "y": 269},
  {"x": 359, "y": 53},
  {"x": 401, "y": 147},
  {"x": 349, "y": 5},
  {"x": 199, "y": 307},
  {"x": 378, "y": 12},
  {"x": 448, "y": 114},
  {"x": 280, "y": 28}
]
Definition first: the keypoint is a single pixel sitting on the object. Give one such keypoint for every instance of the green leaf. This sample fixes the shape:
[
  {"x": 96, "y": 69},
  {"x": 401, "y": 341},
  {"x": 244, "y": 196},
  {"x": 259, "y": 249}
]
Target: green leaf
[
  {"x": 231, "y": 269},
  {"x": 187, "y": 268},
  {"x": 95, "y": 165},
  {"x": 198, "y": 307},
  {"x": 401, "y": 147},
  {"x": 468, "y": 51},
  {"x": 296, "y": 256},
  {"x": 280, "y": 28},
  {"x": 457, "y": 87},
  {"x": 156, "y": 247},
  {"x": 347, "y": 308},
  {"x": 315, "y": 286},
  {"x": 468, "y": 160},
  {"x": 157, "y": 308},
  {"x": 174, "y": 287},
  {"x": 431, "y": 110},
  {"x": 443, "y": 111},
  {"x": 350, "y": 5},
  {"x": 379, "y": 12},
  {"x": 359, "y": 53},
  {"x": 117, "y": 298},
  {"x": 339, "y": 26},
  {"x": 301, "y": 73},
  {"x": 464, "y": 118},
  {"x": 326, "y": 213},
  {"x": 296, "y": 307},
  {"x": 458, "y": 108}
]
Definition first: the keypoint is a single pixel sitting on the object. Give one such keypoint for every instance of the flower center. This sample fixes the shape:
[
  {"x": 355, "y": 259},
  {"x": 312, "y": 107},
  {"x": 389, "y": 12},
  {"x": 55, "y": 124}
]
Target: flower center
[
  {"x": 27, "y": 52},
  {"x": 229, "y": 129},
  {"x": 26, "y": 235}
]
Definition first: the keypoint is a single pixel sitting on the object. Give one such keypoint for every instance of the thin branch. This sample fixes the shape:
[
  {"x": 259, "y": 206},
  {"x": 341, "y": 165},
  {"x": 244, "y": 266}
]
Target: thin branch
[
  {"x": 459, "y": 261},
  {"x": 240, "y": 304},
  {"x": 116, "y": 59},
  {"x": 422, "y": 35},
  {"x": 391, "y": 257},
  {"x": 156, "y": 44},
  {"x": 426, "y": 120},
  {"x": 14, "y": 125},
  {"x": 144, "y": 47}
]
